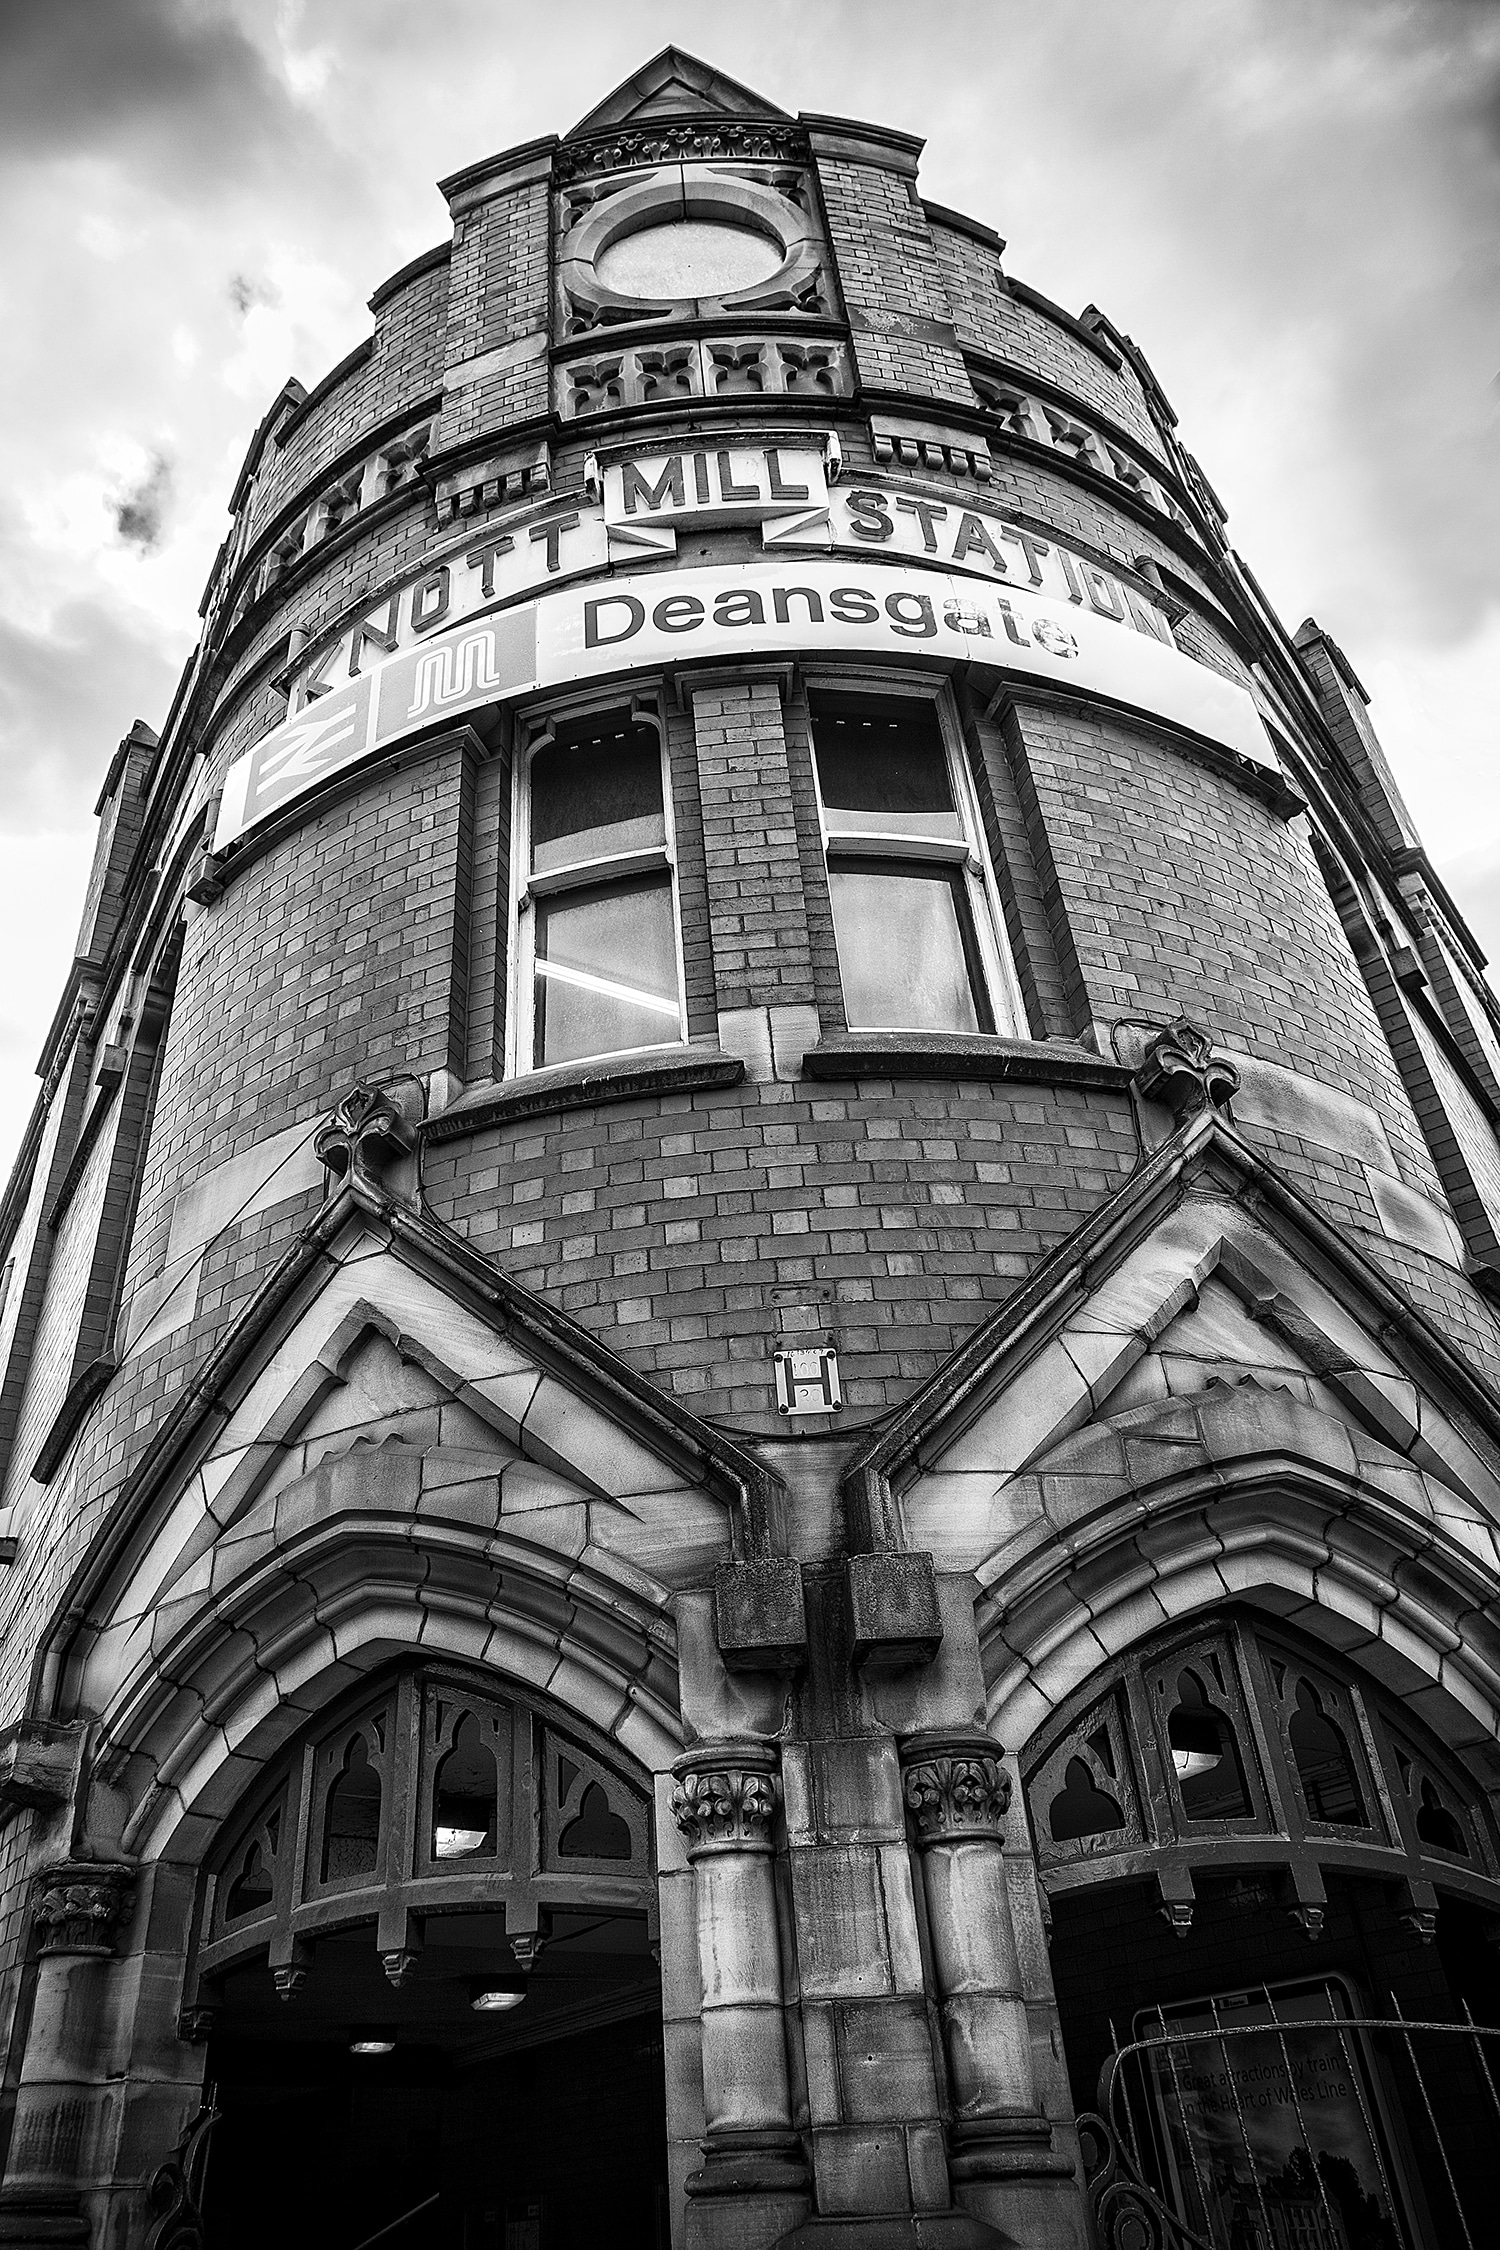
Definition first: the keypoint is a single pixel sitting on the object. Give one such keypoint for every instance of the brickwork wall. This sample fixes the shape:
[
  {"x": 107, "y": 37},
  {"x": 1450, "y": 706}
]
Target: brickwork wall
[
  {"x": 499, "y": 299},
  {"x": 1471, "y": 1128},
  {"x": 405, "y": 366},
  {"x": 823, "y": 949},
  {"x": 1186, "y": 895},
  {"x": 488, "y": 922},
  {"x": 990, "y": 319},
  {"x": 55, "y": 1538},
  {"x": 761, "y": 951},
  {"x": 892, "y": 284},
  {"x": 694, "y": 917},
  {"x": 667, "y": 1226},
  {"x": 330, "y": 958},
  {"x": 51, "y": 1357}
]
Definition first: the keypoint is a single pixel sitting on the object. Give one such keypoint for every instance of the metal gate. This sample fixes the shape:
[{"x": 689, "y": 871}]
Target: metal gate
[{"x": 1266, "y": 2126}]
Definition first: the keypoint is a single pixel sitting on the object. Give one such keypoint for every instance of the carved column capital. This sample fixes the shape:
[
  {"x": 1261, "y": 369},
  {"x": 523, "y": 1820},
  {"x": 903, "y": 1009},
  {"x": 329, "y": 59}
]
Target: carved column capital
[
  {"x": 955, "y": 1786},
  {"x": 724, "y": 1797},
  {"x": 80, "y": 1904},
  {"x": 1181, "y": 1071}
]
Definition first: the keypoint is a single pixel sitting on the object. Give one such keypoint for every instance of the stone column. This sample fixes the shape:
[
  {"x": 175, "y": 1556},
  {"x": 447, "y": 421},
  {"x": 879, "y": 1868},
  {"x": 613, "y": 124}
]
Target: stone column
[
  {"x": 724, "y": 1802},
  {"x": 957, "y": 1793},
  {"x": 63, "y": 2112}
]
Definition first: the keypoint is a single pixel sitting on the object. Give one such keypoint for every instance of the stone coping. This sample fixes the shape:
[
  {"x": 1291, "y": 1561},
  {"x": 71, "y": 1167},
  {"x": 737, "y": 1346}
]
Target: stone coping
[
  {"x": 937, "y": 1054},
  {"x": 584, "y": 1086}
]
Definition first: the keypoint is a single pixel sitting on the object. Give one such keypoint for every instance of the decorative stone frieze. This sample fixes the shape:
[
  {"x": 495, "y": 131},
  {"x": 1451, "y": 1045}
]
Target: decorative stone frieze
[
  {"x": 954, "y": 1788},
  {"x": 1181, "y": 1071},
  {"x": 716, "y": 367},
  {"x": 736, "y": 140},
  {"x": 80, "y": 1905}
]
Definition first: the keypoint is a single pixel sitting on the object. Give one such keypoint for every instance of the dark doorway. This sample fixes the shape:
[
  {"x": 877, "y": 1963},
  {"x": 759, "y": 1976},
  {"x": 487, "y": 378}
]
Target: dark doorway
[{"x": 538, "y": 2128}]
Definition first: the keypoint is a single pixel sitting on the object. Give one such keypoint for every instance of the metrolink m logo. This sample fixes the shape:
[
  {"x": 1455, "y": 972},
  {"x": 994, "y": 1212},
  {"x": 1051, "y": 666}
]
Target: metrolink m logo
[{"x": 455, "y": 673}]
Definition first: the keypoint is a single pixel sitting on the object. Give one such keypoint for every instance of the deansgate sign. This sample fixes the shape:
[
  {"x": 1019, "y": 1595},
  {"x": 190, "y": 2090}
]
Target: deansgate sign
[
  {"x": 644, "y": 497},
  {"x": 806, "y": 607}
]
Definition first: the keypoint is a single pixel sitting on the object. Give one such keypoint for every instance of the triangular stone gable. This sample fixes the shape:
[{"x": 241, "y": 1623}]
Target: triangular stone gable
[
  {"x": 406, "y": 1400},
  {"x": 672, "y": 85},
  {"x": 1185, "y": 1299}
]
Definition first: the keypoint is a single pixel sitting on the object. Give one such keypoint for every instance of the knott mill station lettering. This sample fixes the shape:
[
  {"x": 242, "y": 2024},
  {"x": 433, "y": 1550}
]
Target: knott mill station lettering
[{"x": 750, "y": 1335}]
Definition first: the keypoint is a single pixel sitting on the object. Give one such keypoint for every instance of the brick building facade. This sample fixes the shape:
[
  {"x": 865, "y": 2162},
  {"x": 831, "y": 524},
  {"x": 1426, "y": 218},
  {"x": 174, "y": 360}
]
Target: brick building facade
[{"x": 750, "y": 1346}]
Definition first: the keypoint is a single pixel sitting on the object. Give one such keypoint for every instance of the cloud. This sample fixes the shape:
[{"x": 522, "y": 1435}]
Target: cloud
[
  {"x": 246, "y": 293},
  {"x": 162, "y": 81},
  {"x": 67, "y": 694},
  {"x": 141, "y": 512},
  {"x": 1474, "y": 880}
]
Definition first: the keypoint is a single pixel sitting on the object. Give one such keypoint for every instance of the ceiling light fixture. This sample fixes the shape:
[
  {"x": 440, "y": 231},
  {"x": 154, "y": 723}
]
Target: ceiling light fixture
[
  {"x": 489, "y": 1996},
  {"x": 372, "y": 2043}
]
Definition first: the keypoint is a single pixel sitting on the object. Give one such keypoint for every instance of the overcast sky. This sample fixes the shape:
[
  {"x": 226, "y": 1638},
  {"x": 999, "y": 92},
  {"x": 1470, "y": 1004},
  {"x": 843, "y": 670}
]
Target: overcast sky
[{"x": 1292, "y": 205}]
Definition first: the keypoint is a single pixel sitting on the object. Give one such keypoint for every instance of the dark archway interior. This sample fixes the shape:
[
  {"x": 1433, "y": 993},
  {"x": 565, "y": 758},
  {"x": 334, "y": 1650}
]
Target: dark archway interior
[
  {"x": 1122, "y": 1974},
  {"x": 540, "y": 2128}
]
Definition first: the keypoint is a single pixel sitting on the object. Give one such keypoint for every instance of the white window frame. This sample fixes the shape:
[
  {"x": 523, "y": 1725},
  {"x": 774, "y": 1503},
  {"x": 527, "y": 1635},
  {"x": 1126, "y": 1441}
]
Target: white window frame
[
  {"x": 968, "y": 852},
  {"x": 538, "y": 732}
]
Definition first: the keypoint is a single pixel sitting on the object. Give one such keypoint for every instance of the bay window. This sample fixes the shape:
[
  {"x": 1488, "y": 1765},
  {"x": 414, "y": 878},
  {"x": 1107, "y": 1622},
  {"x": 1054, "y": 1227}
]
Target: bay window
[
  {"x": 917, "y": 940},
  {"x": 598, "y": 963}
]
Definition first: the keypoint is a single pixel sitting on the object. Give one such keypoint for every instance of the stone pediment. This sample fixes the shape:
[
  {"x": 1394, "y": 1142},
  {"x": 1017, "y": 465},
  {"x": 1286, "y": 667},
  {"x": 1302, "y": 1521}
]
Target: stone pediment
[
  {"x": 394, "y": 1427},
  {"x": 1207, "y": 1384},
  {"x": 675, "y": 85}
]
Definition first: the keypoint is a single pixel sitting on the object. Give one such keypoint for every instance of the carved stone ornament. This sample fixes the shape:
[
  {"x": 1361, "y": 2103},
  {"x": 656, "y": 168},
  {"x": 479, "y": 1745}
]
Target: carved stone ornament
[
  {"x": 727, "y": 1802},
  {"x": 369, "y": 1133},
  {"x": 955, "y": 1786},
  {"x": 1181, "y": 1071},
  {"x": 81, "y": 1904},
  {"x": 686, "y": 143}
]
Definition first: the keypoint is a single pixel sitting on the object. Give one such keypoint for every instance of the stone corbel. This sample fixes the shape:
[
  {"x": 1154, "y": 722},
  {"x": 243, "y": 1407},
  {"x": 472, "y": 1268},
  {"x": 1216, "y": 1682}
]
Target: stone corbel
[
  {"x": 370, "y": 1140},
  {"x": 892, "y": 1602},
  {"x": 898, "y": 440},
  {"x": 39, "y": 1762},
  {"x": 513, "y": 473},
  {"x": 1181, "y": 1071},
  {"x": 79, "y": 1906},
  {"x": 760, "y": 1617}
]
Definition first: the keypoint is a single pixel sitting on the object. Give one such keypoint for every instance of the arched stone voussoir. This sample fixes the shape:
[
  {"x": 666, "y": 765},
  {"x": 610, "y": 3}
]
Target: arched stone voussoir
[
  {"x": 1348, "y": 1566},
  {"x": 244, "y": 1672}
]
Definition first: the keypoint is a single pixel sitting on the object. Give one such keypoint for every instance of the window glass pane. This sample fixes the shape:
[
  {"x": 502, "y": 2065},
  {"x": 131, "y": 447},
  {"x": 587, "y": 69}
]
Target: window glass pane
[
  {"x": 902, "y": 951},
  {"x": 882, "y": 768},
  {"x": 594, "y": 792},
  {"x": 606, "y": 970}
]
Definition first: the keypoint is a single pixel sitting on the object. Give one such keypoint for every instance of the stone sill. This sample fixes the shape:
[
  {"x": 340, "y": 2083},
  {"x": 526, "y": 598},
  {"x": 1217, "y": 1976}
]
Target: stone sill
[
  {"x": 941, "y": 1054},
  {"x": 584, "y": 1086}
]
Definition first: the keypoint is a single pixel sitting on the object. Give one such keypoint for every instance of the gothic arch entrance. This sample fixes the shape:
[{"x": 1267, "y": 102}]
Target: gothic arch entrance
[
  {"x": 1250, "y": 1850},
  {"x": 424, "y": 1963}
]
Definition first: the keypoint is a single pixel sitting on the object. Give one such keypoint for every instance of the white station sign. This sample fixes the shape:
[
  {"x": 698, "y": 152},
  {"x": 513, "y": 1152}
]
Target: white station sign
[{"x": 801, "y": 605}]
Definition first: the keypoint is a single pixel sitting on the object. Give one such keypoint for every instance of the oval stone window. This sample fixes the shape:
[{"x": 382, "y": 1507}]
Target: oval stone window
[{"x": 687, "y": 258}]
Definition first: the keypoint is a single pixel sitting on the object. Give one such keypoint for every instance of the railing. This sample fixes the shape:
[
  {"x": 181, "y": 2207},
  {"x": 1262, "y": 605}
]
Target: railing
[{"x": 1275, "y": 2128}]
